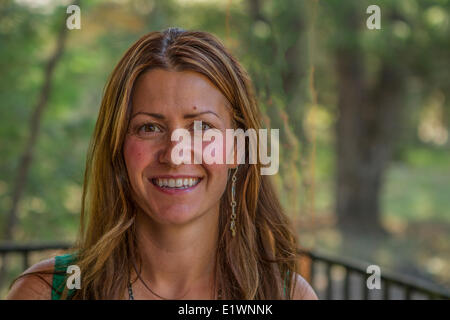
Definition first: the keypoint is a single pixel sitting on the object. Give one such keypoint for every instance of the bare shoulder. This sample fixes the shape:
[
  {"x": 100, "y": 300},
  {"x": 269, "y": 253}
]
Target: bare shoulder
[
  {"x": 303, "y": 290},
  {"x": 34, "y": 286}
]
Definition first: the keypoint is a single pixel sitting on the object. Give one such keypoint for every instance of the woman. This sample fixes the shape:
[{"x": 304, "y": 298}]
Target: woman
[{"x": 152, "y": 228}]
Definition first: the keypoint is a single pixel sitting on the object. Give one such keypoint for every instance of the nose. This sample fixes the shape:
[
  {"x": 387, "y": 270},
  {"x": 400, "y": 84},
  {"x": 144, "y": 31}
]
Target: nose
[
  {"x": 176, "y": 152},
  {"x": 165, "y": 153}
]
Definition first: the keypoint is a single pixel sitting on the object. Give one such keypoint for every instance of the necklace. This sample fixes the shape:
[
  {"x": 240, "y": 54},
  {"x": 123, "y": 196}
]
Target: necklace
[{"x": 130, "y": 289}]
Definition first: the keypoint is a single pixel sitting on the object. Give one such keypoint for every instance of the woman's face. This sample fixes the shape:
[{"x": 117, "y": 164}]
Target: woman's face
[{"x": 163, "y": 101}]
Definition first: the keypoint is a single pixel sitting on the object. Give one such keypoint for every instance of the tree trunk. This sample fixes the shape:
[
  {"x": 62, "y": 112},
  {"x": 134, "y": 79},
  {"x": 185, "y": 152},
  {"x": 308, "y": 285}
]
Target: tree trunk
[
  {"x": 27, "y": 155},
  {"x": 366, "y": 129}
]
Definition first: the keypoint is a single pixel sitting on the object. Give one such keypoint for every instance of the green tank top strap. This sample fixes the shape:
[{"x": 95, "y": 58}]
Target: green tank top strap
[{"x": 60, "y": 275}]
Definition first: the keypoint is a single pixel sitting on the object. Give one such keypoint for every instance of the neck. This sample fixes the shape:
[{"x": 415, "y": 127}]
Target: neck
[{"x": 177, "y": 258}]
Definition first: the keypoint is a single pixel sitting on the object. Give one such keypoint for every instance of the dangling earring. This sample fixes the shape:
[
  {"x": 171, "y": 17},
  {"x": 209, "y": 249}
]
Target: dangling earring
[{"x": 233, "y": 203}]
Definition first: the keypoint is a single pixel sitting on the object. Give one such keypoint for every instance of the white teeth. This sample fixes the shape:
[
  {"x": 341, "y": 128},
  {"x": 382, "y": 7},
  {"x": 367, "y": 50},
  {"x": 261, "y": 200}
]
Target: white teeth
[{"x": 176, "y": 183}]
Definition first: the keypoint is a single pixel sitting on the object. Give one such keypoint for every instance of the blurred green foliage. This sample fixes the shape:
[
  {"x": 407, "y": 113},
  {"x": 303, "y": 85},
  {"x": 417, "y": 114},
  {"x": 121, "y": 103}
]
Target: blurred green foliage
[{"x": 277, "y": 42}]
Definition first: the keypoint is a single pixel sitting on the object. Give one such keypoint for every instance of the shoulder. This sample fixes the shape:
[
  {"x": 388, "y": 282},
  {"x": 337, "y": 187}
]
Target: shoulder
[
  {"x": 35, "y": 286},
  {"x": 302, "y": 289}
]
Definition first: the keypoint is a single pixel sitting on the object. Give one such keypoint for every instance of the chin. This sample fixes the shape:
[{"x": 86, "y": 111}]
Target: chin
[{"x": 175, "y": 214}]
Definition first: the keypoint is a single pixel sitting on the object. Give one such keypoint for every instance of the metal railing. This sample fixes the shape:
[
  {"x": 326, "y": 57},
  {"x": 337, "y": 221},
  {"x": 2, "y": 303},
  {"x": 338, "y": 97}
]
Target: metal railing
[
  {"x": 26, "y": 249},
  {"x": 393, "y": 286}
]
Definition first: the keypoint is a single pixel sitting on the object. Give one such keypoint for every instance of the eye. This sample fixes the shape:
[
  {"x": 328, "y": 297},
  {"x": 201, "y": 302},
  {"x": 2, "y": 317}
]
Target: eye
[
  {"x": 148, "y": 128},
  {"x": 204, "y": 126}
]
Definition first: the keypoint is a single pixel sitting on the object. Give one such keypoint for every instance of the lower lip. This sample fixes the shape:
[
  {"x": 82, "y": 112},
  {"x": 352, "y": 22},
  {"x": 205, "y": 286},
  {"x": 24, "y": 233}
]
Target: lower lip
[{"x": 174, "y": 191}]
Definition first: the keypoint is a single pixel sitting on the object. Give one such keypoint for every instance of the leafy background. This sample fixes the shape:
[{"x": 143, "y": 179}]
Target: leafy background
[{"x": 282, "y": 44}]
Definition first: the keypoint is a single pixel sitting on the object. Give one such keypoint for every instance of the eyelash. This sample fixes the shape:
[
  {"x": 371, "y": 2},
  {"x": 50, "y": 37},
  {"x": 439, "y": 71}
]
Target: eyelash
[
  {"x": 209, "y": 125},
  {"x": 141, "y": 126}
]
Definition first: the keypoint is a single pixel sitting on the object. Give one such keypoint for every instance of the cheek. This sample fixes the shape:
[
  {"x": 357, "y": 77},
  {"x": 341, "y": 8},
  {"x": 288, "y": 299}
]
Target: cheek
[
  {"x": 219, "y": 147},
  {"x": 218, "y": 174},
  {"x": 136, "y": 155}
]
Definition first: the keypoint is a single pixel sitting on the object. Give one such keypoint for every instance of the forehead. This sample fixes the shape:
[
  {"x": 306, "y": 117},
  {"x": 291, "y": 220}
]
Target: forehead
[{"x": 165, "y": 91}]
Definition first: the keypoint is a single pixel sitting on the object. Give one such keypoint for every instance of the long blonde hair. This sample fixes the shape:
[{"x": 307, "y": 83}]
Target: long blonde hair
[{"x": 252, "y": 265}]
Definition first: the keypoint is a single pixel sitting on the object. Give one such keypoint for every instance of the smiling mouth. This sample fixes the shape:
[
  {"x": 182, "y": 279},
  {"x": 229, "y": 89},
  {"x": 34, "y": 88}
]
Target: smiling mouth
[{"x": 177, "y": 183}]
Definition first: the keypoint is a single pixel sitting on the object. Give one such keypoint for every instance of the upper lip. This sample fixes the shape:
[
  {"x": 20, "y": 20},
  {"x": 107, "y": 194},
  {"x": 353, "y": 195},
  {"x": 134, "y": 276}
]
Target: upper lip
[{"x": 181, "y": 176}]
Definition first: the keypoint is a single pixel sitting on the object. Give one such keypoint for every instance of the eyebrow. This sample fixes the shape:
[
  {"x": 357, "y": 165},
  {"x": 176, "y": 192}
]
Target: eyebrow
[{"x": 186, "y": 116}]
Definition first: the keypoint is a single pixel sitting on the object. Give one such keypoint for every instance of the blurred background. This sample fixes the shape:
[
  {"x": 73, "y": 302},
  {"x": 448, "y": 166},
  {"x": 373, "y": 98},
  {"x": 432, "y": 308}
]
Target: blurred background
[{"x": 364, "y": 117}]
